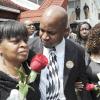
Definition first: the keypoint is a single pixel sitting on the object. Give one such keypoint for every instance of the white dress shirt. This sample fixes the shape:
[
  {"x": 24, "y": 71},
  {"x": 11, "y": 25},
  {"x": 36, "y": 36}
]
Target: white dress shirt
[{"x": 60, "y": 51}]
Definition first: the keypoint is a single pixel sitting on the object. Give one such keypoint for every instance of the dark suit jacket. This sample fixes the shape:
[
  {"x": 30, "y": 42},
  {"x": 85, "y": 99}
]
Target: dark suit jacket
[{"x": 75, "y": 54}]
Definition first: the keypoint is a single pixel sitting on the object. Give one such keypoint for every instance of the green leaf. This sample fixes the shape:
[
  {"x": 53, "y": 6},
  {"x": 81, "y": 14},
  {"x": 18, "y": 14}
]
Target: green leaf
[
  {"x": 22, "y": 75},
  {"x": 32, "y": 76},
  {"x": 23, "y": 88},
  {"x": 23, "y": 82}
]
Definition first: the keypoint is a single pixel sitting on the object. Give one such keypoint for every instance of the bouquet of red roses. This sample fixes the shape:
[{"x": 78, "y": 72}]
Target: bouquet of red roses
[{"x": 38, "y": 62}]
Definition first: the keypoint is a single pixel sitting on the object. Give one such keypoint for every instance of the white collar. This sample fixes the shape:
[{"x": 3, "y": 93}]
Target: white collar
[{"x": 59, "y": 48}]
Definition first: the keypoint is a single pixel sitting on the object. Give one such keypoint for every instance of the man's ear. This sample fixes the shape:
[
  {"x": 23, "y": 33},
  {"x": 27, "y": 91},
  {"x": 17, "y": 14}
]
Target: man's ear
[
  {"x": 66, "y": 31},
  {"x": 0, "y": 50}
]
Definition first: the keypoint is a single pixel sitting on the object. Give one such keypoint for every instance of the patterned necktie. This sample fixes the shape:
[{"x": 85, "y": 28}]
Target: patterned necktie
[{"x": 52, "y": 90}]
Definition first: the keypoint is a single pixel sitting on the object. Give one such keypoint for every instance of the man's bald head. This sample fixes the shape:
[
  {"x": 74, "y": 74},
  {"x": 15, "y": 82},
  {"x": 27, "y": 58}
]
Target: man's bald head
[
  {"x": 55, "y": 13},
  {"x": 53, "y": 26},
  {"x": 28, "y": 22},
  {"x": 30, "y": 26}
]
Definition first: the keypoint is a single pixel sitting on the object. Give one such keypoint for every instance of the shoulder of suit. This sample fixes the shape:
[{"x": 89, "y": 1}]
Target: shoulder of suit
[{"x": 74, "y": 45}]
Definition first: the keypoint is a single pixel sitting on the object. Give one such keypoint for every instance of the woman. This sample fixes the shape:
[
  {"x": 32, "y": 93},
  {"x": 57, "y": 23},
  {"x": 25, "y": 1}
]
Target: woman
[
  {"x": 83, "y": 31},
  {"x": 13, "y": 54},
  {"x": 93, "y": 63}
]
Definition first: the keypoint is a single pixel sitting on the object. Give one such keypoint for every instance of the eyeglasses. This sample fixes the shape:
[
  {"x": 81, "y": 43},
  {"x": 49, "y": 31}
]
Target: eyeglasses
[
  {"x": 30, "y": 25},
  {"x": 84, "y": 29}
]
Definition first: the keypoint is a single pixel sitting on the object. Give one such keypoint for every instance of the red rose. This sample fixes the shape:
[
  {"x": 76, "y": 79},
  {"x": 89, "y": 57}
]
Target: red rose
[
  {"x": 38, "y": 62},
  {"x": 90, "y": 87}
]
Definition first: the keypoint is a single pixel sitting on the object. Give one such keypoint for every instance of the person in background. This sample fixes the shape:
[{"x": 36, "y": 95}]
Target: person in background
[
  {"x": 14, "y": 53},
  {"x": 69, "y": 60},
  {"x": 30, "y": 27},
  {"x": 93, "y": 61},
  {"x": 33, "y": 35},
  {"x": 37, "y": 26},
  {"x": 73, "y": 32},
  {"x": 82, "y": 33},
  {"x": 72, "y": 36}
]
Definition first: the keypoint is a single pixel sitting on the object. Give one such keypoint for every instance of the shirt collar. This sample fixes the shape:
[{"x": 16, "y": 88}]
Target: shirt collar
[{"x": 60, "y": 48}]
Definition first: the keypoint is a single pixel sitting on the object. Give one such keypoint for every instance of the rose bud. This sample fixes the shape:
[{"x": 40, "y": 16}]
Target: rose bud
[
  {"x": 90, "y": 87},
  {"x": 38, "y": 62}
]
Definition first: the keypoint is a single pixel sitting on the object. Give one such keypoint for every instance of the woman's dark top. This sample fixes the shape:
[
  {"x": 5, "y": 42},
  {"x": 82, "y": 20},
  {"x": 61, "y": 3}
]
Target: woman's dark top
[{"x": 7, "y": 84}]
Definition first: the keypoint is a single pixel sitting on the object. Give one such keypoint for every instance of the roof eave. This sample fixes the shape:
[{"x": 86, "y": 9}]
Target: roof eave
[{"x": 9, "y": 9}]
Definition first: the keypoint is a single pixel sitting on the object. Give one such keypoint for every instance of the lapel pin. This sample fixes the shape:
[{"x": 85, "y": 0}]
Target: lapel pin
[{"x": 69, "y": 64}]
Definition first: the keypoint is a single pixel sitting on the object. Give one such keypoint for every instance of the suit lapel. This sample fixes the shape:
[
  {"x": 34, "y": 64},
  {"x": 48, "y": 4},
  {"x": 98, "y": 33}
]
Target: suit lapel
[
  {"x": 66, "y": 71},
  {"x": 67, "y": 58}
]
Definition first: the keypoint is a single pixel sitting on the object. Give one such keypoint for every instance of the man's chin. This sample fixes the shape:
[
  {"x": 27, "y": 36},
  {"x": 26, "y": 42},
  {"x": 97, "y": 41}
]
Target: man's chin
[{"x": 47, "y": 45}]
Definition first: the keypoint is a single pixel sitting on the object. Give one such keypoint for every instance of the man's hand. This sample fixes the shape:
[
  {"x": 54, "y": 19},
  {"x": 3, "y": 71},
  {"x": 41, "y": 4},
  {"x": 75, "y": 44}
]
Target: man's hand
[{"x": 79, "y": 86}]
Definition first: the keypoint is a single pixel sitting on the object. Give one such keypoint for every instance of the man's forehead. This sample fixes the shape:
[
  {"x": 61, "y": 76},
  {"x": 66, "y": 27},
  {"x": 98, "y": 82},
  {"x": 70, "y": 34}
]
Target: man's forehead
[
  {"x": 28, "y": 22},
  {"x": 49, "y": 28}
]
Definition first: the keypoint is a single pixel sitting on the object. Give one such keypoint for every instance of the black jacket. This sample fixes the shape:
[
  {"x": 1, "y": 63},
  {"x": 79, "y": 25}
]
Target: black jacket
[{"x": 7, "y": 84}]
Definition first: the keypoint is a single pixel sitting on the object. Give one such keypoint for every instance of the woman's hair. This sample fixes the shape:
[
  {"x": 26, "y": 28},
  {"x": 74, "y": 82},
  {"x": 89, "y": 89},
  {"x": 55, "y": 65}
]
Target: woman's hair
[
  {"x": 93, "y": 42},
  {"x": 78, "y": 28},
  {"x": 13, "y": 29}
]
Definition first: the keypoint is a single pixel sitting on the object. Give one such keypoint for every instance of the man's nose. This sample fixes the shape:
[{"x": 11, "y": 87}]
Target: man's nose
[{"x": 45, "y": 36}]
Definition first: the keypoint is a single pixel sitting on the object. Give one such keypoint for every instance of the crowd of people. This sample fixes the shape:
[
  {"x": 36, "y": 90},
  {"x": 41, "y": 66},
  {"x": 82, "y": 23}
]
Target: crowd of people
[{"x": 73, "y": 58}]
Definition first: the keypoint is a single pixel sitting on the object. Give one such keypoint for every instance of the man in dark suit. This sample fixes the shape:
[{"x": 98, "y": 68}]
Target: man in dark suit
[{"x": 70, "y": 57}]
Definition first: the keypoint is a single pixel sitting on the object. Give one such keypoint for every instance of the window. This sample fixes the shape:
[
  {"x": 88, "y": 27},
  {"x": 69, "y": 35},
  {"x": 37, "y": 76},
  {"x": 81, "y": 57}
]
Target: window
[
  {"x": 37, "y": 1},
  {"x": 99, "y": 16},
  {"x": 71, "y": 4}
]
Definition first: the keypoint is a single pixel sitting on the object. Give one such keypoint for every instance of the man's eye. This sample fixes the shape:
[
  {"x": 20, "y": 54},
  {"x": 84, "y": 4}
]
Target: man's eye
[
  {"x": 42, "y": 30},
  {"x": 48, "y": 32},
  {"x": 51, "y": 33}
]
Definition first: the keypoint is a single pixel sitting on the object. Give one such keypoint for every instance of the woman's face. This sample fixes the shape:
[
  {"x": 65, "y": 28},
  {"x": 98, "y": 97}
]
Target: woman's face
[
  {"x": 84, "y": 31},
  {"x": 14, "y": 50}
]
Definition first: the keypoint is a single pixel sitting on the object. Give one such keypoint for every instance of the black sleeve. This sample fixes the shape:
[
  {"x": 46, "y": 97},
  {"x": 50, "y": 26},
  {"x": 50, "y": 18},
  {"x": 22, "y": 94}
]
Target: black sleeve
[{"x": 30, "y": 56}]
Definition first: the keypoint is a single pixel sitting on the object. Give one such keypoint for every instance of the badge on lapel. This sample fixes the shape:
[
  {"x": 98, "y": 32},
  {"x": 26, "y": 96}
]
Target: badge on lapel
[{"x": 69, "y": 64}]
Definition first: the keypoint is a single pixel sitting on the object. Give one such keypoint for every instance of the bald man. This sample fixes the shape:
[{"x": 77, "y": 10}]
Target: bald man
[
  {"x": 58, "y": 82},
  {"x": 33, "y": 37},
  {"x": 30, "y": 26}
]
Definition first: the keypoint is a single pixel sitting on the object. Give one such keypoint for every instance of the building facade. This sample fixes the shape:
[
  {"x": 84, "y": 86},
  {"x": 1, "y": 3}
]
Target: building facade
[{"x": 89, "y": 10}]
